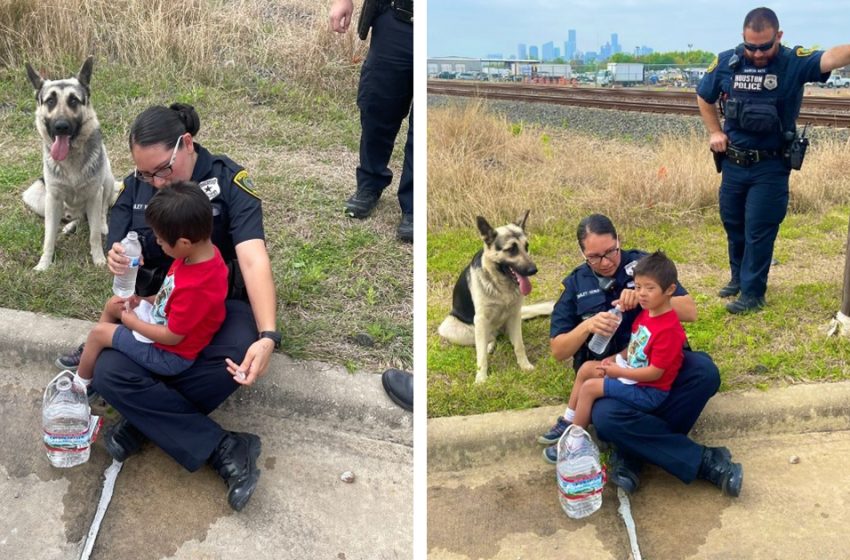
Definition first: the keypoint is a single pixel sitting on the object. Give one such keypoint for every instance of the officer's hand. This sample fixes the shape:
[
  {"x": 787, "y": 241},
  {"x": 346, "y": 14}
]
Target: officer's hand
[
  {"x": 603, "y": 323},
  {"x": 116, "y": 261},
  {"x": 628, "y": 300},
  {"x": 718, "y": 141},
  {"x": 341, "y": 15},
  {"x": 255, "y": 363}
]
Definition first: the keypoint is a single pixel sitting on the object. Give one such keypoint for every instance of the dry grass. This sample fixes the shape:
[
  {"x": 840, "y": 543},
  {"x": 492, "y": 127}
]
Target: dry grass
[
  {"x": 286, "y": 40},
  {"x": 479, "y": 163}
]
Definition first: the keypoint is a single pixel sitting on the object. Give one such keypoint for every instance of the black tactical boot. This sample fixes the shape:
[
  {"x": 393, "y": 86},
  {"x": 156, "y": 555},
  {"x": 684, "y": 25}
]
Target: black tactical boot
[
  {"x": 745, "y": 304},
  {"x": 122, "y": 439},
  {"x": 717, "y": 467},
  {"x": 361, "y": 204},
  {"x": 235, "y": 459},
  {"x": 730, "y": 289}
]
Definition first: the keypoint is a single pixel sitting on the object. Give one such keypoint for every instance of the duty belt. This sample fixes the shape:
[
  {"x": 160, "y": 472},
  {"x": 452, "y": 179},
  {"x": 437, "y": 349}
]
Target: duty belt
[
  {"x": 403, "y": 10},
  {"x": 745, "y": 158}
]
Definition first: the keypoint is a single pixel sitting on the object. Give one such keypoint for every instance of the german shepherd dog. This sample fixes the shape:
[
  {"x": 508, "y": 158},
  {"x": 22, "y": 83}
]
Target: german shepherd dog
[
  {"x": 489, "y": 293},
  {"x": 77, "y": 178}
]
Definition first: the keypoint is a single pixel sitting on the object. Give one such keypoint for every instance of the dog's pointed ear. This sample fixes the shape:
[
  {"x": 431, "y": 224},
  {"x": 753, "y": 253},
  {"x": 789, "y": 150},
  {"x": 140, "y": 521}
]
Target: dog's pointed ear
[
  {"x": 521, "y": 223},
  {"x": 487, "y": 231},
  {"x": 84, "y": 75},
  {"x": 35, "y": 78}
]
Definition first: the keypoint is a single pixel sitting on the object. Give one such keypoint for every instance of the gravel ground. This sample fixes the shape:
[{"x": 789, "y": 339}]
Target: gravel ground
[{"x": 637, "y": 127}]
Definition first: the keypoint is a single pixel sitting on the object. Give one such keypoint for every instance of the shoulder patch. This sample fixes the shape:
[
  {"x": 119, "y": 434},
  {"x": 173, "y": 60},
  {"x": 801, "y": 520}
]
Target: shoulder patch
[
  {"x": 800, "y": 51},
  {"x": 244, "y": 182},
  {"x": 713, "y": 65}
]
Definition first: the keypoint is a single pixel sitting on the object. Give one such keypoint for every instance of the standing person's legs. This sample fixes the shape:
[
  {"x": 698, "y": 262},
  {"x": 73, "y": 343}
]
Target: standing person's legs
[
  {"x": 732, "y": 198},
  {"x": 384, "y": 97},
  {"x": 405, "y": 186},
  {"x": 767, "y": 204}
]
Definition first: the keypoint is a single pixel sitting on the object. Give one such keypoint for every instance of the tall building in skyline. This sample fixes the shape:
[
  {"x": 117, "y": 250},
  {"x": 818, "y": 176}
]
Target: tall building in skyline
[
  {"x": 571, "y": 48},
  {"x": 522, "y": 52},
  {"x": 533, "y": 53},
  {"x": 548, "y": 51},
  {"x": 615, "y": 44}
]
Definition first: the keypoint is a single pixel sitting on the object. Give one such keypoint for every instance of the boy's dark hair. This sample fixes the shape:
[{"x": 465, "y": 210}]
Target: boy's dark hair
[
  {"x": 596, "y": 224},
  {"x": 178, "y": 210},
  {"x": 658, "y": 267},
  {"x": 759, "y": 19}
]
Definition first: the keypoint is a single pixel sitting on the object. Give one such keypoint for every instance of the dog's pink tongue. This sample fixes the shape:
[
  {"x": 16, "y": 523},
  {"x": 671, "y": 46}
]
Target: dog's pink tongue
[
  {"x": 59, "y": 149},
  {"x": 524, "y": 284}
]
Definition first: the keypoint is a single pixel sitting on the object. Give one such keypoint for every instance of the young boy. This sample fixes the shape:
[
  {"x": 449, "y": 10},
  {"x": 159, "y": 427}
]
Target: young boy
[
  {"x": 189, "y": 308},
  {"x": 643, "y": 373}
]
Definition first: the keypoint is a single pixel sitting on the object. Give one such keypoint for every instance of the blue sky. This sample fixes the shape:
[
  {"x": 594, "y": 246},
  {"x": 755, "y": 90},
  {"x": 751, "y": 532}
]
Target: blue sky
[{"x": 480, "y": 27}]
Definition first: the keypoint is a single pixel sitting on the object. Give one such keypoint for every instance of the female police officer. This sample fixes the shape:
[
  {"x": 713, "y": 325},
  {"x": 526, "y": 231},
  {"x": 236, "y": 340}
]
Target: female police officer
[
  {"x": 172, "y": 412},
  {"x": 659, "y": 437}
]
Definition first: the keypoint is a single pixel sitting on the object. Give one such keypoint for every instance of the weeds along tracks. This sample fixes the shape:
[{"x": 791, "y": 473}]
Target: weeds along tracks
[{"x": 816, "y": 110}]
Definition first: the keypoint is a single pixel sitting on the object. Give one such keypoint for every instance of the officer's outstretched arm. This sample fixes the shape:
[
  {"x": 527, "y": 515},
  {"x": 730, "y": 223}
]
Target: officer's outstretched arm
[
  {"x": 836, "y": 57},
  {"x": 685, "y": 308}
]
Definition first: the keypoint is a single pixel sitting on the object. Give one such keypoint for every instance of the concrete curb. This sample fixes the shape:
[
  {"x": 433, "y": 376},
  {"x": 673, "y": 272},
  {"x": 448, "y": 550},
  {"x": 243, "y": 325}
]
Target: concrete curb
[
  {"x": 289, "y": 388},
  {"x": 456, "y": 443}
]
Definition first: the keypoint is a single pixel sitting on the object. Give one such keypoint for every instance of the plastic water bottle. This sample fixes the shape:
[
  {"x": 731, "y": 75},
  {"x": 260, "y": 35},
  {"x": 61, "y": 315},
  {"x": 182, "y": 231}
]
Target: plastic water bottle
[
  {"x": 66, "y": 420},
  {"x": 125, "y": 285},
  {"x": 599, "y": 342},
  {"x": 579, "y": 472}
]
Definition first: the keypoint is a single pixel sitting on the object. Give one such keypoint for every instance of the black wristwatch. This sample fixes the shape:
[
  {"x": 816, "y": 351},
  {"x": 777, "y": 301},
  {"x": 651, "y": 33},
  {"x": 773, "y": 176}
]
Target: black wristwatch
[{"x": 272, "y": 335}]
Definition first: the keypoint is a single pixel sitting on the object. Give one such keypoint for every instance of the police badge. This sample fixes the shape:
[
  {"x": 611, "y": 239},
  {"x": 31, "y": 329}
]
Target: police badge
[{"x": 770, "y": 82}]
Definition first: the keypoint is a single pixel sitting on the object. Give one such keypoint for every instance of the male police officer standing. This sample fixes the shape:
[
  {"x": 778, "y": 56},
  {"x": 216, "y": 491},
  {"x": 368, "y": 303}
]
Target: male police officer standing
[
  {"x": 760, "y": 88},
  {"x": 385, "y": 97}
]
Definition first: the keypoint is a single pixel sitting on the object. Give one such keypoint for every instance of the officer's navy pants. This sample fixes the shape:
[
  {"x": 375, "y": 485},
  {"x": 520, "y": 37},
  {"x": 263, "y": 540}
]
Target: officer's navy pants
[
  {"x": 385, "y": 97},
  {"x": 753, "y": 203},
  {"x": 172, "y": 411},
  {"x": 661, "y": 437}
]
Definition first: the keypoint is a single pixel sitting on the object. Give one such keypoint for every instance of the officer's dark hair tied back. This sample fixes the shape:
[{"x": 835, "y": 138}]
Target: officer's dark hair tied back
[
  {"x": 597, "y": 224},
  {"x": 162, "y": 125}
]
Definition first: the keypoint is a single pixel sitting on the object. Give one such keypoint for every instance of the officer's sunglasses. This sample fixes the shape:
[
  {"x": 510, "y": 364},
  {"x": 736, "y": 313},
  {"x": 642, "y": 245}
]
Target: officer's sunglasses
[
  {"x": 162, "y": 172},
  {"x": 764, "y": 47}
]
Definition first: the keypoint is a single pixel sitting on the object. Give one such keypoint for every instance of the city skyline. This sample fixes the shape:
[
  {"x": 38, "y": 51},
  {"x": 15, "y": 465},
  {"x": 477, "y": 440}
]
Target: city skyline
[{"x": 499, "y": 26}]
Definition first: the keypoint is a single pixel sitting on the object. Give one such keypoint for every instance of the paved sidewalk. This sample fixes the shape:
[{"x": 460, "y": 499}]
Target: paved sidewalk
[
  {"x": 491, "y": 495},
  {"x": 316, "y": 421}
]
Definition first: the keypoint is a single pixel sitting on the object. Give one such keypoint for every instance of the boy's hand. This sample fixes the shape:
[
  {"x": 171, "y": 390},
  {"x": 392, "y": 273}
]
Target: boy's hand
[
  {"x": 129, "y": 319},
  {"x": 611, "y": 370}
]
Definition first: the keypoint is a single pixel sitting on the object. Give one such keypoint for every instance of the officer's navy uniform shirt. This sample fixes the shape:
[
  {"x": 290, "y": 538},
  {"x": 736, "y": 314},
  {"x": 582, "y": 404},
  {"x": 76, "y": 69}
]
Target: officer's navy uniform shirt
[
  {"x": 583, "y": 298},
  {"x": 237, "y": 214},
  {"x": 776, "y": 89}
]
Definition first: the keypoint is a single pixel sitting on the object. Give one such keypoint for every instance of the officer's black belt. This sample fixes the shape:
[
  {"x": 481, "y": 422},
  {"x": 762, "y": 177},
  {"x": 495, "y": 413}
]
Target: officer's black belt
[
  {"x": 403, "y": 10},
  {"x": 745, "y": 158}
]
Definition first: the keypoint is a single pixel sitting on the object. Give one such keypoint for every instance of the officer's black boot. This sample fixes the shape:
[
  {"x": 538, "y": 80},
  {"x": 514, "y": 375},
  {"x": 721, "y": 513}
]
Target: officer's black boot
[
  {"x": 717, "y": 467},
  {"x": 730, "y": 289},
  {"x": 122, "y": 439},
  {"x": 745, "y": 304},
  {"x": 361, "y": 203},
  {"x": 235, "y": 459},
  {"x": 622, "y": 473},
  {"x": 405, "y": 228}
]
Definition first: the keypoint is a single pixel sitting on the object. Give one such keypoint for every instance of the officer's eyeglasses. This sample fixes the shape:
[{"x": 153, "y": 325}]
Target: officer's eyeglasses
[
  {"x": 594, "y": 260},
  {"x": 162, "y": 172},
  {"x": 764, "y": 47}
]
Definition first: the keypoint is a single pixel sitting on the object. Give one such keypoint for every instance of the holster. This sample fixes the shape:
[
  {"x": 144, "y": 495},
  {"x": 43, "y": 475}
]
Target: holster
[
  {"x": 718, "y": 160},
  {"x": 367, "y": 15}
]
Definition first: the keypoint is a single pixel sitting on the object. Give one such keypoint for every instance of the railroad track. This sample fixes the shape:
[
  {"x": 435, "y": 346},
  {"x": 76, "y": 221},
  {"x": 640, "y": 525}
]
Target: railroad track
[{"x": 818, "y": 111}]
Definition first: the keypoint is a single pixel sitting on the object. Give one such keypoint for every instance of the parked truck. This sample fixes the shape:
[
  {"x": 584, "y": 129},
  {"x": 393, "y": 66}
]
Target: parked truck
[{"x": 621, "y": 73}]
